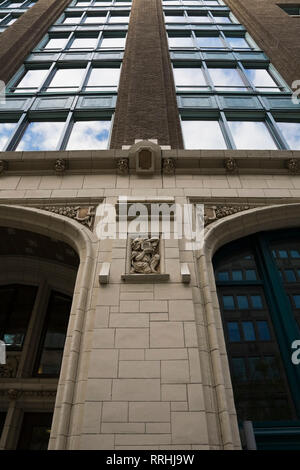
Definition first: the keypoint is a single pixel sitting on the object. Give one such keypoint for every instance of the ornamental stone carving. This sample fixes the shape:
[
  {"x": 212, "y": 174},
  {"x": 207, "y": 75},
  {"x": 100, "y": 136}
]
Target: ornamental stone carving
[
  {"x": 145, "y": 257},
  {"x": 123, "y": 166},
  {"x": 60, "y": 165},
  {"x": 230, "y": 164},
  {"x": 83, "y": 215},
  {"x": 169, "y": 166},
  {"x": 213, "y": 213},
  {"x": 292, "y": 165}
]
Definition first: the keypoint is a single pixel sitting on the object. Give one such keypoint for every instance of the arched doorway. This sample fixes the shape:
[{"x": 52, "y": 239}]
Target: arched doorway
[{"x": 258, "y": 285}]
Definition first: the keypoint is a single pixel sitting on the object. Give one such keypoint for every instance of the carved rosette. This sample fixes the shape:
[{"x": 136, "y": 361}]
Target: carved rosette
[
  {"x": 145, "y": 257},
  {"x": 60, "y": 165},
  {"x": 169, "y": 166},
  {"x": 83, "y": 215},
  {"x": 213, "y": 213},
  {"x": 292, "y": 165},
  {"x": 123, "y": 166},
  {"x": 230, "y": 164}
]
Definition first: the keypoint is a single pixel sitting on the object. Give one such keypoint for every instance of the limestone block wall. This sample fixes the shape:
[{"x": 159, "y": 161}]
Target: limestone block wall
[{"x": 152, "y": 370}]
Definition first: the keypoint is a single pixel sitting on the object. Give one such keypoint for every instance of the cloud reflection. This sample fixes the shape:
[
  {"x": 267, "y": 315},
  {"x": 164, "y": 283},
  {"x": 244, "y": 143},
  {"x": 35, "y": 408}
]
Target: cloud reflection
[
  {"x": 203, "y": 135},
  {"x": 291, "y": 132},
  {"x": 6, "y": 131},
  {"x": 89, "y": 135},
  {"x": 251, "y": 135},
  {"x": 41, "y": 136}
]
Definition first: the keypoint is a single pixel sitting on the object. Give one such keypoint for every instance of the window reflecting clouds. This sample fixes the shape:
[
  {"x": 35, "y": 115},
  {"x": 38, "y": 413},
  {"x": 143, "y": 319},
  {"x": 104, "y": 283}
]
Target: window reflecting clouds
[
  {"x": 188, "y": 77},
  {"x": 261, "y": 79},
  {"x": 237, "y": 42},
  {"x": 56, "y": 43},
  {"x": 41, "y": 136},
  {"x": 103, "y": 79},
  {"x": 210, "y": 41},
  {"x": 84, "y": 43},
  {"x": 251, "y": 135},
  {"x": 88, "y": 135},
  {"x": 95, "y": 19},
  {"x": 68, "y": 79},
  {"x": 203, "y": 135},
  {"x": 6, "y": 131},
  {"x": 113, "y": 42},
  {"x": 226, "y": 79},
  {"x": 181, "y": 41},
  {"x": 32, "y": 79},
  {"x": 291, "y": 133}
]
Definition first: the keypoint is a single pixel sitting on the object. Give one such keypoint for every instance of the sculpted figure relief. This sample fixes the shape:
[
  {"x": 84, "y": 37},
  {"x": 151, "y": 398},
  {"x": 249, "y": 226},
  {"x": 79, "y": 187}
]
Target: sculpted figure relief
[{"x": 145, "y": 258}]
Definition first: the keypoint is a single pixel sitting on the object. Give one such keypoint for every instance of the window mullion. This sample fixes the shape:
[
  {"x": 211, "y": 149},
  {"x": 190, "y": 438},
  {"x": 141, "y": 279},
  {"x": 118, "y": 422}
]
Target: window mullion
[{"x": 226, "y": 131}]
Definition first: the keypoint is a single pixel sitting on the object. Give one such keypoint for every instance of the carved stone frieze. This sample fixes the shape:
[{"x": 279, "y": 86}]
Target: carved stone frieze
[
  {"x": 213, "y": 213},
  {"x": 15, "y": 393},
  {"x": 145, "y": 257},
  {"x": 83, "y": 215}
]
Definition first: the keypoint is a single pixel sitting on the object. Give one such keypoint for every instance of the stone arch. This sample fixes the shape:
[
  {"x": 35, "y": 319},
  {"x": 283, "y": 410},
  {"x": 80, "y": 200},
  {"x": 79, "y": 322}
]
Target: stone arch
[
  {"x": 84, "y": 242},
  {"x": 216, "y": 235}
]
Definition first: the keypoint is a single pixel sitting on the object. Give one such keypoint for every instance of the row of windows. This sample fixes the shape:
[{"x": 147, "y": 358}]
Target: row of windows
[
  {"x": 74, "y": 79},
  {"x": 23, "y": 4},
  {"x": 248, "y": 331},
  {"x": 69, "y": 134},
  {"x": 205, "y": 40},
  {"x": 189, "y": 16},
  {"x": 99, "y": 3},
  {"x": 240, "y": 78},
  {"x": 192, "y": 2},
  {"x": 83, "y": 42},
  {"x": 244, "y": 134},
  {"x": 95, "y": 18}
]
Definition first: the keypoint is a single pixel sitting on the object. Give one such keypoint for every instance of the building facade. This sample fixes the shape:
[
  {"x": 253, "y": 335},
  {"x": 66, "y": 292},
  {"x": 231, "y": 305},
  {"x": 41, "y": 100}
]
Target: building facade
[{"x": 123, "y": 337}]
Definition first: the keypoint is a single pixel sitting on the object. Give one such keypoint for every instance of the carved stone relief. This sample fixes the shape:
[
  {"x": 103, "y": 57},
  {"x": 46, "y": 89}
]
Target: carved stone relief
[
  {"x": 145, "y": 257},
  {"x": 83, "y": 215},
  {"x": 213, "y": 213}
]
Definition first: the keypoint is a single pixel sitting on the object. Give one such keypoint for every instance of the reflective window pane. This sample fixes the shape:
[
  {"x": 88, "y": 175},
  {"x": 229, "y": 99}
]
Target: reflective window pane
[
  {"x": 237, "y": 42},
  {"x": 66, "y": 80},
  {"x": 103, "y": 79},
  {"x": 113, "y": 42},
  {"x": 228, "y": 302},
  {"x": 291, "y": 133},
  {"x": 95, "y": 19},
  {"x": 233, "y": 331},
  {"x": 263, "y": 330},
  {"x": 56, "y": 43},
  {"x": 198, "y": 18},
  {"x": 174, "y": 19},
  {"x": 238, "y": 369},
  {"x": 248, "y": 331},
  {"x": 242, "y": 302},
  {"x": 251, "y": 275},
  {"x": 210, "y": 42},
  {"x": 261, "y": 79},
  {"x": 226, "y": 79},
  {"x": 188, "y": 77},
  {"x": 203, "y": 135},
  {"x": 6, "y": 131},
  {"x": 222, "y": 19},
  {"x": 33, "y": 79},
  {"x": 119, "y": 19},
  {"x": 256, "y": 302},
  {"x": 41, "y": 136},
  {"x": 251, "y": 135},
  {"x": 92, "y": 135},
  {"x": 84, "y": 43},
  {"x": 237, "y": 275},
  {"x": 72, "y": 20},
  {"x": 223, "y": 276},
  {"x": 180, "y": 41}
]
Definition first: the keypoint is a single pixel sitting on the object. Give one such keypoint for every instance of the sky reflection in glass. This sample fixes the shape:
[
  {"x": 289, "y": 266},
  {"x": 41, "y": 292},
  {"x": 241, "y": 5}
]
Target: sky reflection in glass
[
  {"x": 251, "y": 135},
  {"x": 117, "y": 42},
  {"x": 56, "y": 43},
  {"x": 226, "y": 79},
  {"x": 261, "y": 78},
  {"x": 180, "y": 42},
  {"x": 237, "y": 42},
  {"x": 6, "y": 131},
  {"x": 291, "y": 133},
  {"x": 202, "y": 135},
  {"x": 103, "y": 77},
  {"x": 41, "y": 136},
  {"x": 84, "y": 43},
  {"x": 89, "y": 135},
  {"x": 32, "y": 80},
  {"x": 189, "y": 77},
  {"x": 95, "y": 19},
  {"x": 68, "y": 79},
  {"x": 210, "y": 41}
]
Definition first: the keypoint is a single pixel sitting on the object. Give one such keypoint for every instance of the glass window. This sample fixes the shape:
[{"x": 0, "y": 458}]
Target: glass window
[
  {"x": 237, "y": 42},
  {"x": 263, "y": 330},
  {"x": 239, "y": 369},
  {"x": 17, "y": 303},
  {"x": 95, "y": 19},
  {"x": 297, "y": 300},
  {"x": 213, "y": 42},
  {"x": 188, "y": 77},
  {"x": 223, "y": 276},
  {"x": 291, "y": 133},
  {"x": 84, "y": 43},
  {"x": 92, "y": 135},
  {"x": 42, "y": 135},
  {"x": 251, "y": 275},
  {"x": 222, "y": 19},
  {"x": 66, "y": 80},
  {"x": 248, "y": 331},
  {"x": 227, "y": 79},
  {"x": 56, "y": 43},
  {"x": 72, "y": 20},
  {"x": 228, "y": 302},
  {"x": 55, "y": 329},
  {"x": 202, "y": 135},
  {"x": 261, "y": 79},
  {"x": 113, "y": 42},
  {"x": 119, "y": 19},
  {"x": 256, "y": 302},
  {"x": 32, "y": 80},
  {"x": 251, "y": 135},
  {"x": 180, "y": 41},
  {"x": 35, "y": 431},
  {"x": 237, "y": 275},
  {"x": 194, "y": 18},
  {"x": 290, "y": 275},
  {"x": 242, "y": 302},
  {"x": 103, "y": 79},
  {"x": 233, "y": 331},
  {"x": 172, "y": 18},
  {"x": 6, "y": 131}
]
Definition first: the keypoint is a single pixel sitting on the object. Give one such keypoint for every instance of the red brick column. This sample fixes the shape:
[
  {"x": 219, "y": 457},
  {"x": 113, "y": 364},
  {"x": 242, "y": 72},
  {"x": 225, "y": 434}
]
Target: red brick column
[
  {"x": 21, "y": 37},
  {"x": 146, "y": 105}
]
